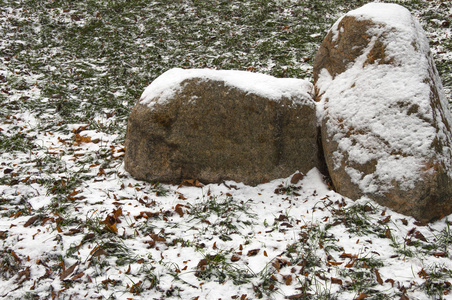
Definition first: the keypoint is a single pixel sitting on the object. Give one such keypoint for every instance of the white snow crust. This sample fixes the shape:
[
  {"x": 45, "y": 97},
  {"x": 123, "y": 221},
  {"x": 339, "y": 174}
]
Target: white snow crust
[
  {"x": 386, "y": 107},
  {"x": 169, "y": 83}
]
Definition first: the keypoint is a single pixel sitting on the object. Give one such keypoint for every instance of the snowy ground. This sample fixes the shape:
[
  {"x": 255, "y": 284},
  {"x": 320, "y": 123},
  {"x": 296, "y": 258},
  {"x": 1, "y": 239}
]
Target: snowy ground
[{"x": 75, "y": 225}]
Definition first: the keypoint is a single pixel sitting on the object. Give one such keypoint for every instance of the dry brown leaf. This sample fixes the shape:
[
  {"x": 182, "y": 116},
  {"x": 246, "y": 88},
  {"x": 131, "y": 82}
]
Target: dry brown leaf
[
  {"x": 296, "y": 178},
  {"x": 385, "y": 220},
  {"x": 336, "y": 281},
  {"x": 377, "y": 274},
  {"x": 420, "y": 236},
  {"x": 25, "y": 274},
  {"x": 235, "y": 258},
  {"x": 361, "y": 296},
  {"x": 276, "y": 265},
  {"x": 79, "y": 129},
  {"x": 68, "y": 271},
  {"x": 31, "y": 221},
  {"x": 157, "y": 238},
  {"x": 440, "y": 254},
  {"x": 110, "y": 224},
  {"x": 73, "y": 231},
  {"x": 351, "y": 263},
  {"x": 81, "y": 139},
  {"x": 191, "y": 182},
  {"x": 253, "y": 252},
  {"x": 422, "y": 274},
  {"x": 77, "y": 276},
  {"x": 179, "y": 210},
  {"x": 348, "y": 255},
  {"x": 135, "y": 289},
  {"x": 288, "y": 279},
  {"x": 388, "y": 233}
]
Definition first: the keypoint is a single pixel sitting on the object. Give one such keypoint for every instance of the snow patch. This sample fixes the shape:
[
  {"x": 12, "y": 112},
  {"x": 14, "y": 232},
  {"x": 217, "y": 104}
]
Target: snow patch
[{"x": 169, "y": 83}]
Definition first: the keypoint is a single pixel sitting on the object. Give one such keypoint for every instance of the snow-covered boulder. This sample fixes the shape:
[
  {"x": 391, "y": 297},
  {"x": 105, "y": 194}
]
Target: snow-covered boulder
[
  {"x": 222, "y": 125},
  {"x": 386, "y": 122}
]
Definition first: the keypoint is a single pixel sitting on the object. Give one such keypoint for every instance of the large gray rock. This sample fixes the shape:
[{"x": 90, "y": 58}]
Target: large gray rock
[
  {"x": 386, "y": 126},
  {"x": 221, "y": 125}
]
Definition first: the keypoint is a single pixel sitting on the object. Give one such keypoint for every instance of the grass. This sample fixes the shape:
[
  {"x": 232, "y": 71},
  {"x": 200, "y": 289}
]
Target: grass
[{"x": 70, "y": 72}]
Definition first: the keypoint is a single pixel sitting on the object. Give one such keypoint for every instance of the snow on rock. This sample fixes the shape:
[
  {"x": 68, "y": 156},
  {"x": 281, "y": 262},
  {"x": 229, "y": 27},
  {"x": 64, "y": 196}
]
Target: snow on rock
[
  {"x": 385, "y": 119},
  {"x": 222, "y": 125},
  {"x": 169, "y": 83}
]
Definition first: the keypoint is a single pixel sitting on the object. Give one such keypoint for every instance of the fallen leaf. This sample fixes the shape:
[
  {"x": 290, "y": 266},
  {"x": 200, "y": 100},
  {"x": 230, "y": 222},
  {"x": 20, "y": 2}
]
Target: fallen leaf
[
  {"x": 157, "y": 238},
  {"x": 136, "y": 288},
  {"x": 361, "y": 296},
  {"x": 191, "y": 182},
  {"x": 420, "y": 236},
  {"x": 16, "y": 258},
  {"x": 235, "y": 258},
  {"x": 336, "y": 281},
  {"x": 385, "y": 220},
  {"x": 98, "y": 251},
  {"x": 351, "y": 263},
  {"x": 31, "y": 221},
  {"x": 81, "y": 139},
  {"x": 276, "y": 265},
  {"x": 25, "y": 274},
  {"x": 440, "y": 254},
  {"x": 79, "y": 129},
  {"x": 296, "y": 178},
  {"x": 201, "y": 266},
  {"x": 68, "y": 271},
  {"x": 377, "y": 274},
  {"x": 347, "y": 255},
  {"x": 73, "y": 231},
  {"x": 282, "y": 218},
  {"x": 422, "y": 274},
  {"x": 110, "y": 223},
  {"x": 77, "y": 276},
  {"x": 391, "y": 281},
  {"x": 288, "y": 279},
  {"x": 253, "y": 252},
  {"x": 179, "y": 210},
  {"x": 388, "y": 233}
]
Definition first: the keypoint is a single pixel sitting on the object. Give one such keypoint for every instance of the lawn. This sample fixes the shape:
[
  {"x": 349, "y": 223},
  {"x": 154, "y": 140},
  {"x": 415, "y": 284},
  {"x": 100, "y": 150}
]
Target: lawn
[{"x": 75, "y": 225}]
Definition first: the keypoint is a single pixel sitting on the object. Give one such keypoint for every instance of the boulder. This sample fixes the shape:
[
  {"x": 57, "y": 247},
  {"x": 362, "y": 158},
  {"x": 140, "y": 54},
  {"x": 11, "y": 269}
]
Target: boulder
[
  {"x": 386, "y": 122},
  {"x": 222, "y": 125}
]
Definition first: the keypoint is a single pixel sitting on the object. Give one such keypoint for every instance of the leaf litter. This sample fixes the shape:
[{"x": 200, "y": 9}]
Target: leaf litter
[{"x": 75, "y": 225}]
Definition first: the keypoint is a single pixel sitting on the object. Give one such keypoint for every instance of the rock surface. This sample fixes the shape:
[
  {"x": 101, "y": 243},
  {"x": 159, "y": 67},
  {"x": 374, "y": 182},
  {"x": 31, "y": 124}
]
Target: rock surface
[
  {"x": 386, "y": 122},
  {"x": 222, "y": 125}
]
